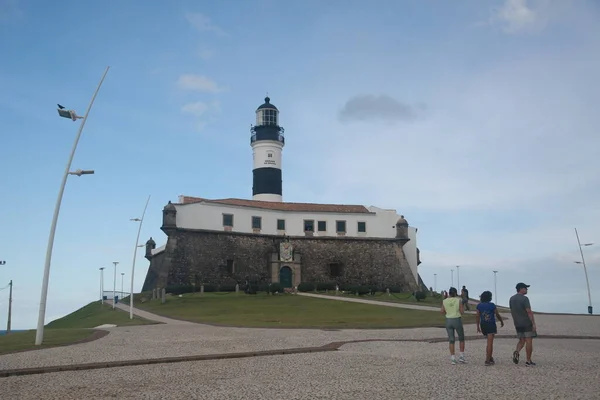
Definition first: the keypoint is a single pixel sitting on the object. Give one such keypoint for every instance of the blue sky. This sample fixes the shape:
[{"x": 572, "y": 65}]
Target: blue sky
[{"x": 475, "y": 119}]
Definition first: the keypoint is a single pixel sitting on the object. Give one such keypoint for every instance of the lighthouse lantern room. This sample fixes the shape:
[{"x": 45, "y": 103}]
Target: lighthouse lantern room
[{"x": 267, "y": 141}]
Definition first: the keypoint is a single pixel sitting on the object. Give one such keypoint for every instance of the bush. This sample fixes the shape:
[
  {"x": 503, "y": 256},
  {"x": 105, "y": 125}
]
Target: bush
[
  {"x": 306, "y": 287},
  {"x": 227, "y": 288},
  {"x": 323, "y": 286},
  {"x": 276, "y": 287},
  {"x": 209, "y": 287},
  {"x": 395, "y": 289},
  {"x": 419, "y": 295},
  {"x": 178, "y": 289}
]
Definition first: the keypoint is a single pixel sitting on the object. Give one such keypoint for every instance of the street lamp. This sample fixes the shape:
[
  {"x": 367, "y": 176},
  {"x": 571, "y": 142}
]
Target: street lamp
[
  {"x": 452, "y": 277},
  {"x": 115, "y": 285},
  {"x": 122, "y": 276},
  {"x": 102, "y": 285},
  {"x": 457, "y": 277},
  {"x": 587, "y": 282},
  {"x": 39, "y": 336},
  {"x": 495, "y": 293},
  {"x": 435, "y": 283},
  {"x": 137, "y": 239}
]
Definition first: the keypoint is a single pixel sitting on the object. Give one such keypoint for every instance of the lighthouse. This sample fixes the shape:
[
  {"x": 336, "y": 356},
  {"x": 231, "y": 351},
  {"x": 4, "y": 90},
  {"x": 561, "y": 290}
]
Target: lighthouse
[{"x": 267, "y": 143}]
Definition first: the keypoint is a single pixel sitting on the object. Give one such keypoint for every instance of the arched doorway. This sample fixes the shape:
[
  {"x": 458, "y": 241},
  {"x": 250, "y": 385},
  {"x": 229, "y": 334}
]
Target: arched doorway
[{"x": 285, "y": 277}]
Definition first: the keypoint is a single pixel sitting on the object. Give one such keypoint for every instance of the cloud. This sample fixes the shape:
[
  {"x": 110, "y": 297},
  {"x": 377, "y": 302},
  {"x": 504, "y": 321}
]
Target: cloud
[
  {"x": 205, "y": 54},
  {"x": 198, "y": 83},
  {"x": 203, "y": 112},
  {"x": 376, "y": 108},
  {"x": 517, "y": 16},
  {"x": 202, "y": 23}
]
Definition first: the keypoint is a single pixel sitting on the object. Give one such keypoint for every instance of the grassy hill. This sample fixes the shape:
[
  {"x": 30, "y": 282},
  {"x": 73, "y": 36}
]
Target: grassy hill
[
  {"x": 96, "y": 314},
  {"x": 70, "y": 329}
]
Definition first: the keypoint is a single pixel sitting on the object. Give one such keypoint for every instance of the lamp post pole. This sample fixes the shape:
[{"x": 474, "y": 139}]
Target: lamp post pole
[
  {"x": 435, "y": 283},
  {"x": 39, "y": 336},
  {"x": 8, "y": 323},
  {"x": 115, "y": 285},
  {"x": 457, "y": 277},
  {"x": 102, "y": 285},
  {"x": 587, "y": 282},
  {"x": 452, "y": 277},
  {"x": 495, "y": 292},
  {"x": 122, "y": 276},
  {"x": 141, "y": 221}
]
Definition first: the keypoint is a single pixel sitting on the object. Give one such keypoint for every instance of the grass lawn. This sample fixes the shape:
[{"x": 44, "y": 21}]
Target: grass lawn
[
  {"x": 52, "y": 337},
  {"x": 96, "y": 314},
  {"x": 285, "y": 311}
]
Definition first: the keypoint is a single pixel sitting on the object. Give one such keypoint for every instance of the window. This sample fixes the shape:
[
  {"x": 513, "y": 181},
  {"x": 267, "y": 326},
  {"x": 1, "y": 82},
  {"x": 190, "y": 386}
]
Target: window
[
  {"x": 281, "y": 224},
  {"x": 270, "y": 155},
  {"x": 230, "y": 269},
  {"x": 256, "y": 222},
  {"x": 269, "y": 117},
  {"x": 322, "y": 226},
  {"x": 309, "y": 225},
  {"x": 227, "y": 219},
  {"x": 340, "y": 226},
  {"x": 336, "y": 270},
  {"x": 362, "y": 227}
]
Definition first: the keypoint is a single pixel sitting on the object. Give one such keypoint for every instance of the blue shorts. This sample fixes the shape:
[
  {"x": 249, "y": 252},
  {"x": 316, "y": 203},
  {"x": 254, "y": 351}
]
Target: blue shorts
[{"x": 488, "y": 329}]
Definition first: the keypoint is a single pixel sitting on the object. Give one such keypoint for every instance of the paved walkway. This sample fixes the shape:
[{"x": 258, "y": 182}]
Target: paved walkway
[
  {"x": 151, "y": 317},
  {"x": 375, "y": 302}
]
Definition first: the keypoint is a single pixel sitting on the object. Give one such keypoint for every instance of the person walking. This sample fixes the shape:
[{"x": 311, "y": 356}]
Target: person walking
[
  {"x": 520, "y": 309},
  {"x": 453, "y": 309},
  {"x": 464, "y": 294},
  {"x": 487, "y": 313}
]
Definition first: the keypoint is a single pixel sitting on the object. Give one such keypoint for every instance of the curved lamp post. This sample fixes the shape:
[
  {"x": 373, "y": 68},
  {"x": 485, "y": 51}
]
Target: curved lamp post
[
  {"x": 141, "y": 221},
  {"x": 590, "y": 309},
  {"x": 39, "y": 335}
]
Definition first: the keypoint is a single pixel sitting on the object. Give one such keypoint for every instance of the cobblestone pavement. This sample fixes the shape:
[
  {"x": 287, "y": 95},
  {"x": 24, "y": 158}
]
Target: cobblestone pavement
[{"x": 567, "y": 369}]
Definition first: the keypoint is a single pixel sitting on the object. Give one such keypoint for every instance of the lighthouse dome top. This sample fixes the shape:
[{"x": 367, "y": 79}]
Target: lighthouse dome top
[{"x": 267, "y": 105}]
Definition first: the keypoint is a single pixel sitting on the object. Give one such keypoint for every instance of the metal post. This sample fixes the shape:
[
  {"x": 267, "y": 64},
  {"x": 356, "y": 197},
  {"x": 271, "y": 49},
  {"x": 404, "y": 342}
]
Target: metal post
[
  {"x": 457, "y": 277},
  {"x": 452, "y": 277},
  {"x": 102, "y": 285},
  {"x": 122, "y": 276},
  {"x": 587, "y": 282},
  {"x": 435, "y": 283},
  {"x": 495, "y": 292},
  {"x": 39, "y": 336},
  {"x": 134, "y": 257},
  {"x": 9, "y": 308},
  {"x": 115, "y": 285}
]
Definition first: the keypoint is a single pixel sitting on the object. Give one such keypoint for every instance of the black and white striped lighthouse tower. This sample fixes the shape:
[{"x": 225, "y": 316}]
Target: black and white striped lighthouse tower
[{"x": 267, "y": 143}]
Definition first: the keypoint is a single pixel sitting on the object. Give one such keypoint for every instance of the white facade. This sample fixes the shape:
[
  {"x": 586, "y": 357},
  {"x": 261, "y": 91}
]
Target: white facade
[
  {"x": 267, "y": 154},
  {"x": 377, "y": 223}
]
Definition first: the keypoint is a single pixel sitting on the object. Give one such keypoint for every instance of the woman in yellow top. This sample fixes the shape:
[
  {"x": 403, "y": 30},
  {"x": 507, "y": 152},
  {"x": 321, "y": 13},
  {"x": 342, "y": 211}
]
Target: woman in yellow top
[{"x": 453, "y": 309}]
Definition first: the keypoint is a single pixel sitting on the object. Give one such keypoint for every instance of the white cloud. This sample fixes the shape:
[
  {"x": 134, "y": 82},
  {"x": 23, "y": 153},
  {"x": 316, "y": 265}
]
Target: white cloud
[
  {"x": 199, "y": 83},
  {"x": 202, "y": 23},
  {"x": 204, "y": 112},
  {"x": 205, "y": 54},
  {"x": 517, "y": 16}
]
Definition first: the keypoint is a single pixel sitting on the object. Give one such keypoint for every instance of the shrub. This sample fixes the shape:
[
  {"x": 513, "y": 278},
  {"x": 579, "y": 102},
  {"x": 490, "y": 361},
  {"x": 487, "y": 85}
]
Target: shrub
[
  {"x": 419, "y": 295},
  {"x": 306, "y": 287},
  {"x": 178, "y": 289},
  {"x": 322, "y": 286},
  {"x": 227, "y": 288},
  {"x": 209, "y": 287},
  {"x": 276, "y": 287},
  {"x": 394, "y": 289}
]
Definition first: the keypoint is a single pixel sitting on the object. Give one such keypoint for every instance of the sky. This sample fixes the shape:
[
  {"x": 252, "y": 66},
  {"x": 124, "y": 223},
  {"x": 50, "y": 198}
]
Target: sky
[{"x": 477, "y": 120}]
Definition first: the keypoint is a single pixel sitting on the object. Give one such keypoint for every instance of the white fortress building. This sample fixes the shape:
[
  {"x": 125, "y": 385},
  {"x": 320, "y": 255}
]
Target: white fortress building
[{"x": 223, "y": 242}]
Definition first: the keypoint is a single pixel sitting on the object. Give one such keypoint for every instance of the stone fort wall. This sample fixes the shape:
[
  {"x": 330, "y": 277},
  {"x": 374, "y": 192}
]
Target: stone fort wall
[{"x": 196, "y": 256}]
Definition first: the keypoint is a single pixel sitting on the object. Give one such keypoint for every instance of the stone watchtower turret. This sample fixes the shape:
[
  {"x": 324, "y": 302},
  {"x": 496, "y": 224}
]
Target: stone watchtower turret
[
  {"x": 169, "y": 217},
  {"x": 150, "y": 245},
  {"x": 402, "y": 228}
]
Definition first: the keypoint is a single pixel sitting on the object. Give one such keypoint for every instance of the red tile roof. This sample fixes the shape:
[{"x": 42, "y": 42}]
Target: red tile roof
[{"x": 280, "y": 206}]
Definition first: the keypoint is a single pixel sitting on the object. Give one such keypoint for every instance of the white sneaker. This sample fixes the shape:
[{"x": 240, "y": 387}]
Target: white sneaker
[
  {"x": 453, "y": 361},
  {"x": 461, "y": 359}
]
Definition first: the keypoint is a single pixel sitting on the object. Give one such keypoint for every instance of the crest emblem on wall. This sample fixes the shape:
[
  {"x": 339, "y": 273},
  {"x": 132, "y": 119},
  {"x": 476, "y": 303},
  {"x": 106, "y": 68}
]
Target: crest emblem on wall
[{"x": 286, "y": 252}]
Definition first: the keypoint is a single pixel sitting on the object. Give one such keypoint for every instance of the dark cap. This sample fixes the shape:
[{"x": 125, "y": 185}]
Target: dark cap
[{"x": 521, "y": 285}]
